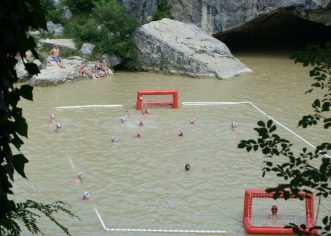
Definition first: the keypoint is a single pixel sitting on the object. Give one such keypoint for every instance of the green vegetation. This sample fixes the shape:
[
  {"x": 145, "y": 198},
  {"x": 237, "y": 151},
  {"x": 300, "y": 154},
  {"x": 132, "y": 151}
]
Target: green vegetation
[
  {"x": 106, "y": 24},
  {"x": 163, "y": 10},
  {"x": 16, "y": 18},
  {"x": 309, "y": 171},
  {"x": 51, "y": 12}
]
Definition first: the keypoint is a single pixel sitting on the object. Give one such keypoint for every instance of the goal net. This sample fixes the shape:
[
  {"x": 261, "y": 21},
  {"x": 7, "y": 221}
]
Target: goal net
[{"x": 263, "y": 214}]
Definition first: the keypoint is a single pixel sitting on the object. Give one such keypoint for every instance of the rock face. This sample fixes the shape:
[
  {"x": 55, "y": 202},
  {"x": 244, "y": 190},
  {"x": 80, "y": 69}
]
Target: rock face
[
  {"x": 53, "y": 74},
  {"x": 66, "y": 43},
  {"x": 174, "y": 47},
  {"x": 55, "y": 29},
  {"x": 87, "y": 49},
  {"x": 219, "y": 16},
  {"x": 142, "y": 9}
]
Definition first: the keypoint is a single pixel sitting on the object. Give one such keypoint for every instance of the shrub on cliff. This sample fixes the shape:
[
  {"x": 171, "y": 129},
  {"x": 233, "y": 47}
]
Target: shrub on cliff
[
  {"x": 79, "y": 6},
  {"x": 110, "y": 27}
]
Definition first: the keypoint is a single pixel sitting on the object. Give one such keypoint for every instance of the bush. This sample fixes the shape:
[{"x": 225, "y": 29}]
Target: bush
[
  {"x": 163, "y": 10},
  {"x": 110, "y": 28},
  {"x": 52, "y": 13},
  {"x": 79, "y": 6}
]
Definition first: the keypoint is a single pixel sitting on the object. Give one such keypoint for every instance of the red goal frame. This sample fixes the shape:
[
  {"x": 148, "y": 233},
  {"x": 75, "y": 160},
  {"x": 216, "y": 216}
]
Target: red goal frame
[
  {"x": 250, "y": 194},
  {"x": 140, "y": 98}
]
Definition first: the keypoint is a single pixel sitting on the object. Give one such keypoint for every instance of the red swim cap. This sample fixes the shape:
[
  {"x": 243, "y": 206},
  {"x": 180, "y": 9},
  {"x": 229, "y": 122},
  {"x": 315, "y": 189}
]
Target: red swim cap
[{"x": 274, "y": 209}]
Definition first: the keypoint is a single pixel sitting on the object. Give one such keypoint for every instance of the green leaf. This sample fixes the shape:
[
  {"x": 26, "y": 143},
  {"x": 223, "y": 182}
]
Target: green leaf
[
  {"x": 326, "y": 106},
  {"x": 32, "y": 68},
  {"x": 21, "y": 126},
  {"x": 272, "y": 129},
  {"x": 19, "y": 162},
  {"x": 26, "y": 92},
  {"x": 261, "y": 123},
  {"x": 242, "y": 144}
]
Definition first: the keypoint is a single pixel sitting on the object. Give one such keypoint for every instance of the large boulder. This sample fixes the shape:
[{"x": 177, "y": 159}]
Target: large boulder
[
  {"x": 53, "y": 74},
  {"x": 174, "y": 47}
]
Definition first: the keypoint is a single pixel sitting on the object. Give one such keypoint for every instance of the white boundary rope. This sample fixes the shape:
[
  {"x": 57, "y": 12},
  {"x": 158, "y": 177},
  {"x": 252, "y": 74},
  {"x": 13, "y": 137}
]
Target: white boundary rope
[
  {"x": 90, "y": 106},
  {"x": 250, "y": 103},
  {"x": 157, "y": 230}
]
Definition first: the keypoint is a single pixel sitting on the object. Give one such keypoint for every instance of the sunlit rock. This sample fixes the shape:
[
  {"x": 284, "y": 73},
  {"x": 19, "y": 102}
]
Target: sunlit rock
[{"x": 173, "y": 47}]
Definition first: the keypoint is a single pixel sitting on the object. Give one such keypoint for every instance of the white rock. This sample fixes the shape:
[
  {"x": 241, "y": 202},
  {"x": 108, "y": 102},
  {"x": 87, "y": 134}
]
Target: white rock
[{"x": 171, "y": 46}]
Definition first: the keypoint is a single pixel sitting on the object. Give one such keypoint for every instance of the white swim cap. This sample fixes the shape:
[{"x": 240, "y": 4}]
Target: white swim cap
[
  {"x": 80, "y": 174},
  {"x": 113, "y": 138},
  {"x": 86, "y": 195}
]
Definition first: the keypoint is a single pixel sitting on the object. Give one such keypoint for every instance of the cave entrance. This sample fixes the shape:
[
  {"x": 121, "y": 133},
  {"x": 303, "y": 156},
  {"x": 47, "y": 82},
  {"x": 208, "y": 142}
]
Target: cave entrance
[{"x": 280, "y": 30}]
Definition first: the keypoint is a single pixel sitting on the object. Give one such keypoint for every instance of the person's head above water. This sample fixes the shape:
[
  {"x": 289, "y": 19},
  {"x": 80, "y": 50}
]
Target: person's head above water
[
  {"x": 274, "y": 210},
  {"x": 86, "y": 196},
  {"x": 181, "y": 133},
  {"x": 187, "y": 167},
  {"x": 80, "y": 175},
  {"x": 113, "y": 139}
]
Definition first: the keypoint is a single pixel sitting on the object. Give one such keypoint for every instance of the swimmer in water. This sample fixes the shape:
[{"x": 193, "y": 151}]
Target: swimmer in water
[
  {"x": 52, "y": 117},
  {"x": 123, "y": 120},
  {"x": 187, "y": 167},
  {"x": 234, "y": 125},
  {"x": 58, "y": 127},
  {"x": 86, "y": 196},
  {"x": 141, "y": 123},
  {"x": 274, "y": 210},
  {"x": 113, "y": 139},
  {"x": 138, "y": 135},
  {"x": 79, "y": 178},
  {"x": 181, "y": 133},
  {"x": 192, "y": 121}
]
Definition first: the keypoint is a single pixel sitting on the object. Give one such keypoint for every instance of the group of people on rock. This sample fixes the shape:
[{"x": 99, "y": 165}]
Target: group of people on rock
[{"x": 100, "y": 70}]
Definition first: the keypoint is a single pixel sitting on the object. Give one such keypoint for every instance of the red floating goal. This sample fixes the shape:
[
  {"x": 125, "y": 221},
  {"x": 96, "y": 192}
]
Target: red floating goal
[
  {"x": 265, "y": 215},
  {"x": 142, "y": 101}
]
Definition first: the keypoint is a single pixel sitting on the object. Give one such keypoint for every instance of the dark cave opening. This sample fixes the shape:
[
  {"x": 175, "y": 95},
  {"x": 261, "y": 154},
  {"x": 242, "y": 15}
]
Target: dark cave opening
[{"x": 281, "y": 30}]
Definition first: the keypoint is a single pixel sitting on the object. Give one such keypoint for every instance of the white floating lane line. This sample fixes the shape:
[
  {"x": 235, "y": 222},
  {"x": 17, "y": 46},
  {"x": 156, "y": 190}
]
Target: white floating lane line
[
  {"x": 90, "y": 106},
  {"x": 212, "y": 103},
  {"x": 156, "y": 230},
  {"x": 71, "y": 163},
  {"x": 203, "y": 103}
]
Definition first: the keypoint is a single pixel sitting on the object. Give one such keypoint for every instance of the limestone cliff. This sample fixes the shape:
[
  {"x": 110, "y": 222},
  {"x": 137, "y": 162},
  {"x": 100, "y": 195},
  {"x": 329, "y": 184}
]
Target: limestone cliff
[{"x": 215, "y": 16}]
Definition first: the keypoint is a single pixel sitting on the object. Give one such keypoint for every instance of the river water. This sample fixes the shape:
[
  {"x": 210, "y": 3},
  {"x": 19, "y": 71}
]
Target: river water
[{"x": 141, "y": 182}]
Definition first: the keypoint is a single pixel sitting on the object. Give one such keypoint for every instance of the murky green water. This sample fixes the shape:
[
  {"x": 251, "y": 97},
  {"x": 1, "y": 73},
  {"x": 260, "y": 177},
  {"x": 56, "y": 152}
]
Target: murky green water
[{"x": 141, "y": 183}]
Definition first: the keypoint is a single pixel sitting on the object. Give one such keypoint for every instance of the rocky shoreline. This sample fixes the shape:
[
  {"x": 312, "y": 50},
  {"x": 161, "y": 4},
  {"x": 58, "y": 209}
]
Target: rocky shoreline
[{"x": 165, "y": 46}]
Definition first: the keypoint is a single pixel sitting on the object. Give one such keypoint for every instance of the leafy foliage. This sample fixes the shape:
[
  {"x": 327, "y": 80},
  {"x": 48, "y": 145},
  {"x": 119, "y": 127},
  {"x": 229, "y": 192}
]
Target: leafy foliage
[
  {"x": 110, "y": 27},
  {"x": 297, "y": 171},
  {"x": 320, "y": 59},
  {"x": 16, "y": 18},
  {"x": 79, "y": 6},
  {"x": 163, "y": 10},
  {"x": 51, "y": 12}
]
